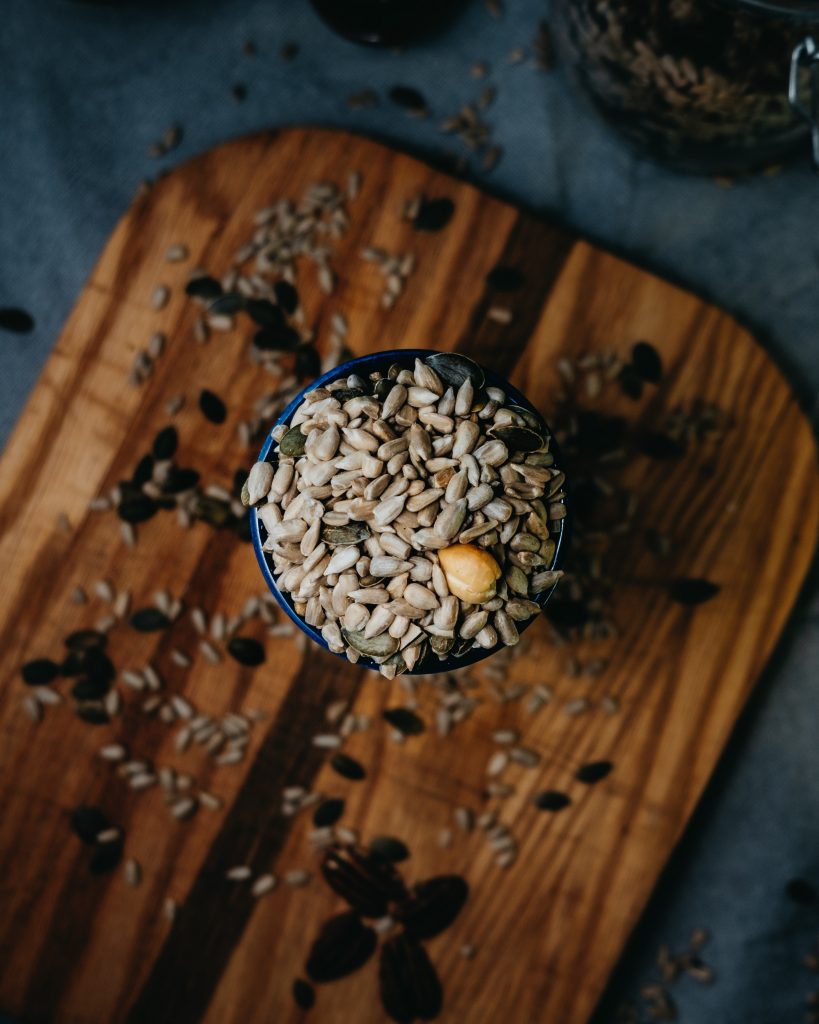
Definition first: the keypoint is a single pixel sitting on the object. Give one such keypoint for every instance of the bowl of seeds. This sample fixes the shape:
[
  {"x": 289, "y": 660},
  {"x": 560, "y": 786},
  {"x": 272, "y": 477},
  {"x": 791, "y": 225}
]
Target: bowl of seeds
[{"x": 409, "y": 512}]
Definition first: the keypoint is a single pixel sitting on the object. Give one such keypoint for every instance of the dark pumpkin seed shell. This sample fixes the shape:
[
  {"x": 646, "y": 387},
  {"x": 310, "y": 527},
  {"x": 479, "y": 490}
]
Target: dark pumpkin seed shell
[
  {"x": 345, "y": 394},
  {"x": 16, "y": 320},
  {"x": 347, "y": 767},
  {"x": 286, "y": 296},
  {"x": 344, "y": 944},
  {"x": 408, "y": 983},
  {"x": 389, "y": 848},
  {"x": 39, "y": 672},
  {"x": 692, "y": 590},
  {"x": 517, "y": 439},
  {"x": 404, "y": 721},
  {"x": 433, "y": 214},
  {"x": 144, "y": 470},
  {"x": 328, "y": 812},
  {"x": 203, "y": 288},
  {"x": 281, "y": 338},
  {"x": 304, "y": 995},
  {"x": 137, "y": 509},
  {"x": 593, "y": 772},
  {"x": 105, "y": 857},
  {"x": 90, "y": 688},
  {"x": 246, "y": 650},
  {"x": 368, "y": 883},
  {"x": 631, "y": 383},
  {"x": 84, "y": 639},
  {"x": 95, "y": 664},
  {"x": 453, "y": 369},
  {"x": 180, "y": 479},
  {"x": 227, "y": 304},
  {"x": 293, "y": 442},
  {"x": 433, "y": 906},
  {"x": 148, "y": 620},
  {"x": 87, "y": 823},
  {"x": 647, "y": 362},
  {"x": 505, "y": 279},
  {"x": 212, "y": 406},
  {"x": 93, "y": 713},
  {"x": 551, "y": 800},
  {"x": 264, "y": 313}
]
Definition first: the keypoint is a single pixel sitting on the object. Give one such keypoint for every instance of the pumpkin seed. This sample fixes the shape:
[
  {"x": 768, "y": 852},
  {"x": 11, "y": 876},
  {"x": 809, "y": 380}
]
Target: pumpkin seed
[
  {"x": 292, "y": 443},
  {"x": 381, "y": 646}
]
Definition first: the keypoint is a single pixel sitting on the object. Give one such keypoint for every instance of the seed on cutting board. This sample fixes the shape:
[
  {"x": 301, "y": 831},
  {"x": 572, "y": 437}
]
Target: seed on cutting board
[
  {"x": 238, "y": 874},
  {"x": 246, "y": 650},
  {"x": 296, "y": 877},
  {"x": 593, "y": 772},
  {"x": 551, "y": 800},
  {"x": 347, "y": 767},
  {"x": 39, "y": 672},
  {"x": 177, "y": 253},
  {"x": 160, "y": 296},
  {"x": 132, "y": 872},
  {"x": 263, "y": 885},
  {"x": 212, "y": 406},
  {"x": 33, "y": 708}
]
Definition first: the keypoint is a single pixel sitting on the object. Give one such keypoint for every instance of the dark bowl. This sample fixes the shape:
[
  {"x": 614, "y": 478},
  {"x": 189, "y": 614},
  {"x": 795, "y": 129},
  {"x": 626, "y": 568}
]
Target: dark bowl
[{"x": 363, "y": 366}]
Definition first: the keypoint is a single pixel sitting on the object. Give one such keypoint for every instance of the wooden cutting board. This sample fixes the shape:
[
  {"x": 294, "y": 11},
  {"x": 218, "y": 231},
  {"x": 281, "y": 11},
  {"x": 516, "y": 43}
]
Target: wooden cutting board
[{"x": 548, "y": 930}]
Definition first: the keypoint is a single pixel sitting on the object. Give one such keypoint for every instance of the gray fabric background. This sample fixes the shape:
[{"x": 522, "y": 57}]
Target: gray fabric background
[{"x": 84, "y": 89}]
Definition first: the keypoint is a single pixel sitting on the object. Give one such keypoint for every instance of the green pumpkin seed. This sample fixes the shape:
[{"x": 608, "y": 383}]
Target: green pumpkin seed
[
  {"x": 353, "y": 533},
  {"x": 454, "y": 369},
  {"x": 393, "y": 371},
  {"x": 382, "y": 646},
  {"x": 245, "y": 495},
  {"x": 442, "y": 645},
  {"x": 517, "y": 439},
  {"x": 293, "y": 442}
]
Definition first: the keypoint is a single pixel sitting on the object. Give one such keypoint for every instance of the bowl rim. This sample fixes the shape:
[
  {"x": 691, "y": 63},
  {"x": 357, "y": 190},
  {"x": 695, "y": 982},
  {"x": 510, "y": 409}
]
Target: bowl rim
[{"x": 372, "y": 361}]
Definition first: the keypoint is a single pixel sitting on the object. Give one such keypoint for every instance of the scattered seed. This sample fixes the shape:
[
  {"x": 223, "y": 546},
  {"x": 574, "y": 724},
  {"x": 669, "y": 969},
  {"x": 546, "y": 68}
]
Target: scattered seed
[
  {"x": 551, "y": 800},
  {"x": 296, "y": 877},
  {"x": 15, "y": 320},
  {"x": 347, "y": 767}
]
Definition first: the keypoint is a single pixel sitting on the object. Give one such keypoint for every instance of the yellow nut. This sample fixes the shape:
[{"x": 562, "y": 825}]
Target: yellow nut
[{"x": 470, "y": 572}]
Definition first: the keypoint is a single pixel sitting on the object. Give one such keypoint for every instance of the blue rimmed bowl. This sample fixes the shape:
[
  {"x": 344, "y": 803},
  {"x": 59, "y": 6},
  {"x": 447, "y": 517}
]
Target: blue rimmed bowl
[{"x": 363, "y": 367}]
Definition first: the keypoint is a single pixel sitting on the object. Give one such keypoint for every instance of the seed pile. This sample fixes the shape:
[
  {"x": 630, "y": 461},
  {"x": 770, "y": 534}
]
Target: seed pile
[{"x": 411, "y": 514}]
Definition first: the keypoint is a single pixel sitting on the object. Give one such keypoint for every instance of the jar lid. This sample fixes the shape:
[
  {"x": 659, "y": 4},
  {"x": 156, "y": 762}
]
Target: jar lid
[{"x": 784, "y": 8}]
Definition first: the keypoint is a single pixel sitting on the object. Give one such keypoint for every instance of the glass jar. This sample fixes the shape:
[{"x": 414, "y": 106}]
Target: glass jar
[{"x": 717, "y": 86}]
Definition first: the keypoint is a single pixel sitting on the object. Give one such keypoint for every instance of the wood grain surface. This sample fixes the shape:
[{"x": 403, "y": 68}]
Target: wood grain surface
[{"x": 547, "y": 931}]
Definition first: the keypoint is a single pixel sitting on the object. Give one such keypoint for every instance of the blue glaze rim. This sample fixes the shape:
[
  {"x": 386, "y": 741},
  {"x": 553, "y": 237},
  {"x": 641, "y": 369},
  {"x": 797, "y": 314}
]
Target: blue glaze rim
[{"x": 430, "y": 664}]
